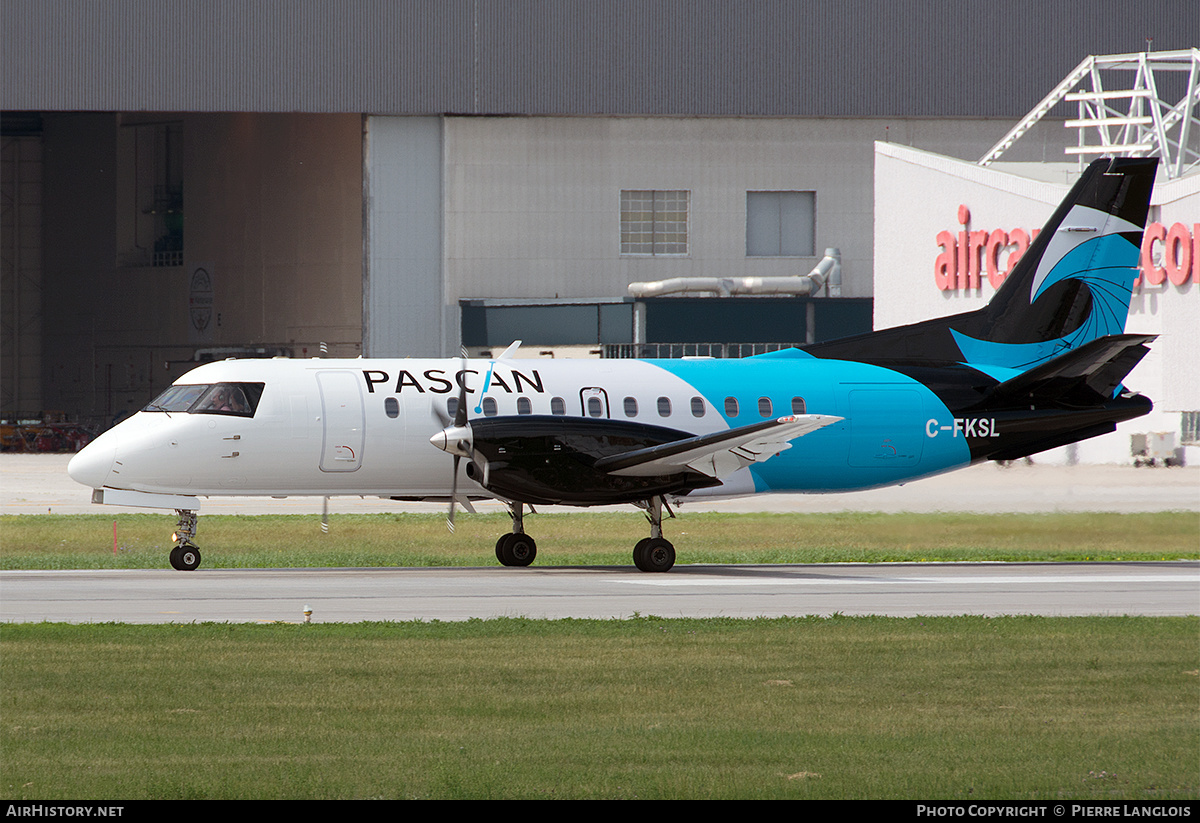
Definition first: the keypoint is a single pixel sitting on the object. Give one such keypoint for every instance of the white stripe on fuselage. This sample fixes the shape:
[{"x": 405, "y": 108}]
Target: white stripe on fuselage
[{"x": 278, "y": 450}]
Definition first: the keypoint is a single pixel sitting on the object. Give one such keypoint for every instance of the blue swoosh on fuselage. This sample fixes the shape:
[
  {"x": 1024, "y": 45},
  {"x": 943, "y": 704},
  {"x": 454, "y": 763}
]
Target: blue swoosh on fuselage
[{"x": 822, "y": 460}]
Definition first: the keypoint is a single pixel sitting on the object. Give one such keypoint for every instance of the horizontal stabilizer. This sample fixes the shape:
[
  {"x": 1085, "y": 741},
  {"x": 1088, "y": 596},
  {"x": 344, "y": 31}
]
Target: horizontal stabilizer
[
  {"x": 718, "y": 454},
  {"x": 1085, "y": 376}
]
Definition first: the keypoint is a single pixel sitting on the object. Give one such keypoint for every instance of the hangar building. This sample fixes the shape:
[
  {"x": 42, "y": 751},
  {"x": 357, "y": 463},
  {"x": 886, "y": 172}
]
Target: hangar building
[{"x": 183, "y": 181}]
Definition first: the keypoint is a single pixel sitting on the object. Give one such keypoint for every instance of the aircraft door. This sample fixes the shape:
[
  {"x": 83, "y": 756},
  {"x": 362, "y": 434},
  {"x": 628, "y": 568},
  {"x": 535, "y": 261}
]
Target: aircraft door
[
  {"x": 593, "y": 402},
  {"x": 343, "y": 425}
]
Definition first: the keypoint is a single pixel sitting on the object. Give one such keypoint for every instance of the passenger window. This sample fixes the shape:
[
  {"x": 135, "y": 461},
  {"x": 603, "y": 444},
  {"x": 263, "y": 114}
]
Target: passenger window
[
  {"x": 391, "y": 407},
  {"x": 595, "y": 407},
  {"x": 731, "y": 407},
  {"x": 630, "y": 407},
  {"x": 664, "y": 407},
  {"x": 558, "y": 406},
  {"x": 489, "y": 407},
  {"x": 524, "y": 406},
  {"x": 452, "y": 406},
  {"x": 764, "y": 406},
  {"x": 797, "y": 405},
  {"x": 697, "y": 407}
]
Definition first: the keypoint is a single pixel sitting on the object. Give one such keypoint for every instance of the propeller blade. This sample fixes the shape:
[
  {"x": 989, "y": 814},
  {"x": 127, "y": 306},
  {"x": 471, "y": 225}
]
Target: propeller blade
[
  {"x": 460, "y": 413},
  {"x": 453, "y": 495},
  {"x": 460, "y": 421}
]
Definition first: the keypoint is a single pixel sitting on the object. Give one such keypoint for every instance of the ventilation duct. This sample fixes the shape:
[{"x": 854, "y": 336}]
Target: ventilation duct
[{"x": 826, "y": 274}]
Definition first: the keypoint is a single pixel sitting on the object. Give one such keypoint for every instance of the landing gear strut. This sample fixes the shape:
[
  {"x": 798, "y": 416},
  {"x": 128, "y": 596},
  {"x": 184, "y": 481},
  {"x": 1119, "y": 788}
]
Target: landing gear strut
[
  {"x": 654, "y": 553},
  {"x": 185, "y": 557},
  {"x": 516, "y": 548}
]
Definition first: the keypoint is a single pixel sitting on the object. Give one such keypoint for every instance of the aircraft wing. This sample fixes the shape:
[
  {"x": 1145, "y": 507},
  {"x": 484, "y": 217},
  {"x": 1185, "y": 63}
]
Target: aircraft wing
[{"x": 717, "y": 454}]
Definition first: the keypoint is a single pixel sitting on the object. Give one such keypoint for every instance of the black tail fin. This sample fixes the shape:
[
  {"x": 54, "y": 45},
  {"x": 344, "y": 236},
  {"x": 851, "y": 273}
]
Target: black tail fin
[{"x": 1072, "y": 286}]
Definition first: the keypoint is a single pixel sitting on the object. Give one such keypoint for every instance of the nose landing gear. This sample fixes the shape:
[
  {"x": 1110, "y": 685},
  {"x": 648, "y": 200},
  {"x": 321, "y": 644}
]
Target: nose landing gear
[{"x": 185, "y": 557}]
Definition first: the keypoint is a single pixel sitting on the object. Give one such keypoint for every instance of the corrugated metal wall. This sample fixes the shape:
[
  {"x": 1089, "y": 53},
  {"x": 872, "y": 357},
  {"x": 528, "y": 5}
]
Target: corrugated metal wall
[
  {"x": 819, "y": 58},
  {"x": 404, "y": 311}
]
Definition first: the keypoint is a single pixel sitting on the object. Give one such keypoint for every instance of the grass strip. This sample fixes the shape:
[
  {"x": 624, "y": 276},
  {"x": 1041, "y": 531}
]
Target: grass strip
[
  {"x": 597, "y": 538},
  {"x": 926, "y": 708}
]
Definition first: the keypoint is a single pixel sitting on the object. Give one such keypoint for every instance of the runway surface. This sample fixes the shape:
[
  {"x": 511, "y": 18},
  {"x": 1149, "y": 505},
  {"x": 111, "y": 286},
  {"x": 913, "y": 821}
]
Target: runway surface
[
  {"x": 335, "y": 595},
  {"x": 38, "y": 484}
]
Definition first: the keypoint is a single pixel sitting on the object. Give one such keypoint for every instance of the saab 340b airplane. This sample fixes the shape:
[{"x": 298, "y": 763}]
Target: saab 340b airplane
[{"x": 1040, "y": 366}]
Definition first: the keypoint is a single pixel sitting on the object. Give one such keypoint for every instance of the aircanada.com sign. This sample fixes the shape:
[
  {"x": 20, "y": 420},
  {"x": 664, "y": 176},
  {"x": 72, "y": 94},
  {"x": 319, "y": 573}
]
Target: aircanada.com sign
[{"x": 968, "y": 257}]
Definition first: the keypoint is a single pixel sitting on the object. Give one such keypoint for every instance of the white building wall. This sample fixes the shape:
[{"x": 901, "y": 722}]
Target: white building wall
[
  {"x": 533, "y": 210},
  {"x": 917, "y": 196},
  {"x": 529, "y": 207},
  {"x": 533, "y": 204}
]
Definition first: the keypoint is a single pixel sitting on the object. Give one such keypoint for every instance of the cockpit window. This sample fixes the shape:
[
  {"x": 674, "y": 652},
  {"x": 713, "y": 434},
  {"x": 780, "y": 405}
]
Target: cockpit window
[
  {"x": 237, "y": 399},
  {"x": 176, "y": 399}
]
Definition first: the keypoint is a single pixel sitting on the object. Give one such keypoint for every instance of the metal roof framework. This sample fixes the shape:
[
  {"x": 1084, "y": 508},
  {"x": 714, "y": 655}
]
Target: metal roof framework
[{"x": 1120, "y": 108}]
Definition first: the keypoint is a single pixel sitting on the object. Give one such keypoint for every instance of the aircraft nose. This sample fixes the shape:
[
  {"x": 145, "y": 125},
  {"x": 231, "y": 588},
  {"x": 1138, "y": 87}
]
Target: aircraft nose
[{"x": 91, "y": 466}]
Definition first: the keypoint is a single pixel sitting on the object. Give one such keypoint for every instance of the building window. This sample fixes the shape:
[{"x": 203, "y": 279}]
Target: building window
[
  {"x": 1190, "y": 428},
  {"x": 654, "y": 222},
  {"x": 780, "y": 223}
]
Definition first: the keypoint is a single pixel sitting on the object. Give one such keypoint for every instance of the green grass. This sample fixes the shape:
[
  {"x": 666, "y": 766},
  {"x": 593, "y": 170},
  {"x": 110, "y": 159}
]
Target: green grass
[
  {"x": 930, "y": 708},
  {"x": 591, "y": 538},
  {"x": 925, "y": 708}
]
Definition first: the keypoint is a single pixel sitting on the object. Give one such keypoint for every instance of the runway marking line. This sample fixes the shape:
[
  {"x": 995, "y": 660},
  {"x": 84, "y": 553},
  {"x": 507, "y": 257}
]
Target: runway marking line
[{"x": 685, "y": 581}]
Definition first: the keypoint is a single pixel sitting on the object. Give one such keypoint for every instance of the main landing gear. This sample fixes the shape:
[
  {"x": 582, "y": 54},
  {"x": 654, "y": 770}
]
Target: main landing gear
[
  {"x": 185, "y": 557},
  {"x": 651, "y": 554},
  {"x": 654, "y": 553},
  {"x": 516, "y": 548}
]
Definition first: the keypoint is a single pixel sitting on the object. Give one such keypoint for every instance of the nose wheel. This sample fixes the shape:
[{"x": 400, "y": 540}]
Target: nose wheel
[{"x": 185, "y": 557}]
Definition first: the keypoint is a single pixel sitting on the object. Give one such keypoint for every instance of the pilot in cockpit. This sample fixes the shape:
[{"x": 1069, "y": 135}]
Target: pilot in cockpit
[{"x": 227, "y": 399}]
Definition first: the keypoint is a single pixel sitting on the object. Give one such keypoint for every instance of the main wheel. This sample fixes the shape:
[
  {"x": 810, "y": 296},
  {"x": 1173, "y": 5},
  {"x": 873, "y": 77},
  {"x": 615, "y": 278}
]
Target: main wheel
[
  {"x": 639, "y": 554},
  {"x": 516, "y": 550},
  {"x": 654, "y": 554},
  {"x": 185, "y": 558}
]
